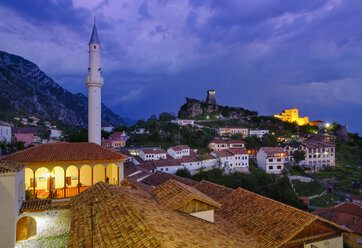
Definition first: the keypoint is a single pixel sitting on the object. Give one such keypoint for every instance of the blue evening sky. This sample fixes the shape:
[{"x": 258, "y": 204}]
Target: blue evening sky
[{"x": 264, "y": 55}]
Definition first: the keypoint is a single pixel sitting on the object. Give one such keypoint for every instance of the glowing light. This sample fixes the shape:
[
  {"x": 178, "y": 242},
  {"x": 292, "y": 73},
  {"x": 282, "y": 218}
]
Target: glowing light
[
  {"x": 207, "y": 117},
  {"x": 328, "y": 125}
]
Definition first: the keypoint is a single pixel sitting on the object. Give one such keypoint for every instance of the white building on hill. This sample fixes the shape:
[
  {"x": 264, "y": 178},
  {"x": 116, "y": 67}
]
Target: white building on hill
[
  {"x": 5, "y": 132},
  {"x": 271, "y": 159},
  {"x": 152, "y": 154}
]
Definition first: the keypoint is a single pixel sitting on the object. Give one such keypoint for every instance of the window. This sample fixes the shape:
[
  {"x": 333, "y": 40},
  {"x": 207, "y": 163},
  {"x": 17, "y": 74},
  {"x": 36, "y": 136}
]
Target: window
[
  {"x": 95, "y": 47},
  {"x": 161, "y": 169},
  {"x": 270, "y": 160},
  {"x": 270, "y": 167},
  {"x": 279, "y": 167},
  {"x": 166, "y": 169},
  {"x": 279, "y": 160}
]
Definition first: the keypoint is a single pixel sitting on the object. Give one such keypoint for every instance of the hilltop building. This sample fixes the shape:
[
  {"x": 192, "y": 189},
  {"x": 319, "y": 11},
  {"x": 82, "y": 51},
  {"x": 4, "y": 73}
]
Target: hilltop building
[
  {"x": 210, "y": 98},
  {"x": 116, "y": 140},
  {"x": 218, "y": 144},
  {"x": 292, "y": 116},
  {"x": 94, "y": 82}
]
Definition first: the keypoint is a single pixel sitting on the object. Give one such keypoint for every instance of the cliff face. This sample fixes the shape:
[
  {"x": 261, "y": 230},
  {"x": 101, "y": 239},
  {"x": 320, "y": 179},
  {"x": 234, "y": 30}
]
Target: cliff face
[
  {"x": 25, "y": 89},
  {"x": 195, "y": 108}
]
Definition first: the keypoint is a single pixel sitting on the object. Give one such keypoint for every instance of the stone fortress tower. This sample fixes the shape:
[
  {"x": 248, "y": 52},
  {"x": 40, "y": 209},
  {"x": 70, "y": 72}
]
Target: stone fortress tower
[
  {"x": 210, "y": 98},
  {"x": 94, "y": 81}
]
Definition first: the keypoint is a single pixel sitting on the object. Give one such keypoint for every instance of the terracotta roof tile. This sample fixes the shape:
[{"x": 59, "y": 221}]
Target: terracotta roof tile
[
  {"x": 267, "y": 221},
  {"x": 160, "y": 177},
  {"x": 272, "y": 150},
  {"x": 42, "y": 205},
  {"x": 215, "y": 191},
  {"x": 179, "y": 148},
  {"x": 10, "y": 167},
  {"x": 237, "y": 151},
  {"x": 130, "y": 217},
  {"x": 65, "y": 152},
  {"x": 174, "y": 194},
  {"x": 223, "y": 153},
  {"x": 153, "y": 151}
]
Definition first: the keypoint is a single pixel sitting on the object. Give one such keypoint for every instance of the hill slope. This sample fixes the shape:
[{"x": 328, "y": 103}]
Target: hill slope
[{"x": 25, "y": 89}]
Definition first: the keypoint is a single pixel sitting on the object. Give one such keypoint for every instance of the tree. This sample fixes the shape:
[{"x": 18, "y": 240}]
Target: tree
[
  {"x": 166, "y": 116},
  {"x": 183, "y": 173},
  {"x": 298, "y": 156}
]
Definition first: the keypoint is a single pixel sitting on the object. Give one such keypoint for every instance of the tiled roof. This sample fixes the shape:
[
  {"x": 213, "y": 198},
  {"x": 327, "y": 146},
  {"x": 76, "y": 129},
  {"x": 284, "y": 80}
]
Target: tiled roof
[
  {"x": 42, "y": 205},
  {"x": 116, "y": 223},
  {"x": 346, "y": 214},
  {"x": 10, "y": 167},
  {"x": 237, "y": 151},
  {"x": 179, "y": 148},
  {"x": 153, "y": 151},
  {"x": 222, "y": 153},
  {"x": 356, "y": 197},
  {"x": 4, "y": 124},
  {"x": 125, "y": 152},
  {"x": 236, "y": 142},
  {"x": 129, "y": 217},
  {"x": 174, "y": 194},
  {"x": 215, "y": 191},
  {"x": 267, "y": 221},
  {"x": 160, "y": 177},
  {"x": 166, "y": 162},
  {"x": 272, "y": 150},
  {"x": 32, "y": 130},
  {"x": 65, "y": 152},
  {"x": 293, "y": 144},
  {"x": 318, "y": 144},
  {"x": 218, "y": 141}
]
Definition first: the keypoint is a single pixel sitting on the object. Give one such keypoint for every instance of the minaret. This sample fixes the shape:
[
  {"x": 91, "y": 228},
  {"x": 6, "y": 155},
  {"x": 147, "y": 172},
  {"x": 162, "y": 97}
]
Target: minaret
[{"x": 94, "y": 81}]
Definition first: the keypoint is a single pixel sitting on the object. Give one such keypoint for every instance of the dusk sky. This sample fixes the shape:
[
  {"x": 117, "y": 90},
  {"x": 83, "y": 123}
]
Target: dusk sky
[{"x": 263, "y": 55}]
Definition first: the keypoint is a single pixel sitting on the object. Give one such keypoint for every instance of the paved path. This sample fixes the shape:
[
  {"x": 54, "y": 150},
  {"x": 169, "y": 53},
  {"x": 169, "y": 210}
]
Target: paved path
[{"x": 315, "y": 196}]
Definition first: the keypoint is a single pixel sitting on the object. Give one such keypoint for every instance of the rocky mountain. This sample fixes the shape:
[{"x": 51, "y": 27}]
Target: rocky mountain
[
  {"x": 194, "y": 108},
  {"x": 25, "y": 89}
]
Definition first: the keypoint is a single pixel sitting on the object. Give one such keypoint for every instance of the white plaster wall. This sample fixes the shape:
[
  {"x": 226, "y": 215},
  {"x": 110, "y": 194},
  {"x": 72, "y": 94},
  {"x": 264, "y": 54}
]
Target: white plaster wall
[
  {"x": 205, "y": 215},
  {"x": 50, "y": 223},
  {"x": 8, "y": 208},
  {"x": 5, "y": 133},
  {"x": 327, "y": 243},
  {"x": 260, "y": 157}
]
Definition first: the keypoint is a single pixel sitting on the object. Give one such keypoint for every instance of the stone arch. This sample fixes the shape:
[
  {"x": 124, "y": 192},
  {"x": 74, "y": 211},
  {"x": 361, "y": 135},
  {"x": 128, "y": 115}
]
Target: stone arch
[
  {"x": 29, "y": 179},
  {"x": 25, "y": 228},
  {"x": 112, "y": 173},
  {"x": 42, "y": 179},
  {"x": 72, "y": 176},
  {"x": 86, "y": 175},
  {"x": 98, "y": 173}
]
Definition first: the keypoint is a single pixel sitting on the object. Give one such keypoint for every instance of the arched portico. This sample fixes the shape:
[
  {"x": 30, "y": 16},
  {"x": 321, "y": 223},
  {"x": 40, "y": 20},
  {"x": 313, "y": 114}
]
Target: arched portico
[
  {"x": 99, "y": 173},
  {"x": 112, "y": 174}
]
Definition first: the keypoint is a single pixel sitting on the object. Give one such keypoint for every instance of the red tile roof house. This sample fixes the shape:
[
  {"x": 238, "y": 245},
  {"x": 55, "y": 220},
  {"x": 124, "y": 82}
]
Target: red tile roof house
[
  {"x": 232, "y": 160},
  {"x": 271, "y": 159},
  {"x": 219, "y": 144},
  {"x": 348, "y": 215},
  {"x": 152, "y": 154}
]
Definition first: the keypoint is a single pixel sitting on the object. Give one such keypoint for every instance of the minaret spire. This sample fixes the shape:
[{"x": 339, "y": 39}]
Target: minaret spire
[{"x": 94, "y": 81}]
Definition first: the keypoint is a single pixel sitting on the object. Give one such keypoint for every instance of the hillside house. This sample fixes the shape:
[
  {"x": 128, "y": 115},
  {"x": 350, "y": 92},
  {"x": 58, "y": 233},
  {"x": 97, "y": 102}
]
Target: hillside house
[
  {"x": 116, "y": 140},
  {"x": 271, "y": 159},
  {"x": 229, "y": 131},
  {"x": 178, "y": 151},
  {"x": 258, "y": 133},
  {"x": 5, "y": 132},
  {"x": 152, "y": 154},
  {"x": 219, "y": 144}
]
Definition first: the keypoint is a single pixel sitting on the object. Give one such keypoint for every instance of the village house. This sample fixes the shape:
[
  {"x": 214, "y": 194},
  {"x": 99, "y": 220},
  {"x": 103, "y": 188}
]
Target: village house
[
  {"x": 258, "y": 133},
  {"x": 232, "y": 160},
  {"x": 290, "y": 148},
  {"x": 152, "y": 154},
  {"x": 271, "y": 159},
  {"x": 60, "y": 170},
  {"x": 219, "y": 144},
  {"x": 5, "y": 132},
  {"x": 24, "y": 134},
  {"x": 55, "y": 134},
  {"x": 183, "y": 122},
  {"x": 228, "y": 131},
  {"x": 178, "y": 151},
  {"x": 116, "y": 140},
  {"x": 108, "y": 129},
  {"x": 346, "y": 214}
]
